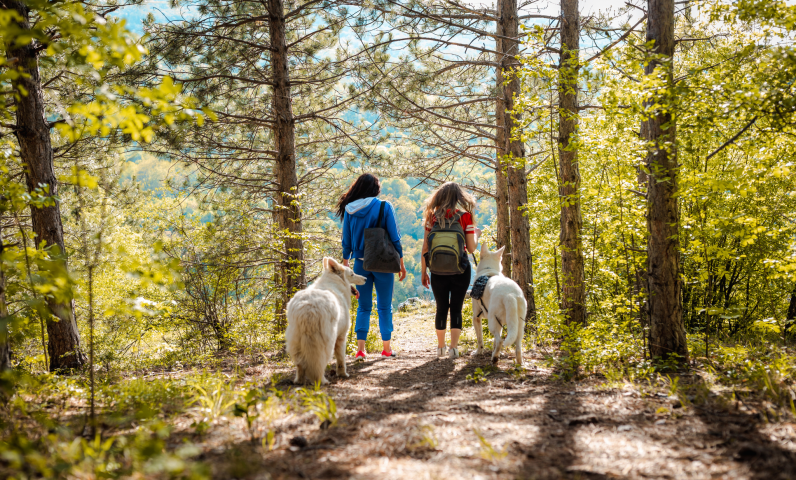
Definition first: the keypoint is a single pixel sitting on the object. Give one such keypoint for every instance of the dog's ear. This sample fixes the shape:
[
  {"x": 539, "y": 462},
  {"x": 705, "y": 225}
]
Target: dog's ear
[
  {"x": 484, "y": 250},
  {"x": 334, "y": 267},
  {"x": 326, "y": 263},
  {"x": 499, "y": 252}
]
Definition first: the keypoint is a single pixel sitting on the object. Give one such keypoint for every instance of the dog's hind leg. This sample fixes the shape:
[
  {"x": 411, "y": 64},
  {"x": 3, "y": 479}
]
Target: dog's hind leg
[
  {"x": 522, "y": 309},
  {"x": 315, "y": 368},
  {"x": 299, "y": 375},
  {"x": 339, "y": 355},
  {"x": 497, "y": 331},
  {"x": 479, "y": 329},
  {"x": 518, "y": 344}
]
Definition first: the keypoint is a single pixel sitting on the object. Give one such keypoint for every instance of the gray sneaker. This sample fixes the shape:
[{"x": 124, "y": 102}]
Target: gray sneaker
[
  {"x": 454, "y": 353},
  {"x": 441, "y": 351}
]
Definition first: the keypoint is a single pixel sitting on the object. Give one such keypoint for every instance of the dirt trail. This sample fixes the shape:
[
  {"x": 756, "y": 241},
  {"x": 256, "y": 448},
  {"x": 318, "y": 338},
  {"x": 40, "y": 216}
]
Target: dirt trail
[{"x": 418, "y": 417}]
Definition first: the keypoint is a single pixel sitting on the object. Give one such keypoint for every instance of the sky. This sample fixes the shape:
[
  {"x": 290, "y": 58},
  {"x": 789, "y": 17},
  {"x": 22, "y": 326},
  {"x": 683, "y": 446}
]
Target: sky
[
  {"x": 162, "y": 11},
  {"x": 546, "y": 7},
  {"x": 135, "y": 15}
]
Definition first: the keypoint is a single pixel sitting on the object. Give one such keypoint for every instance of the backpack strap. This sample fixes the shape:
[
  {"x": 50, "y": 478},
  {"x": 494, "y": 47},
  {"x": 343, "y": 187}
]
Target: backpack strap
[
  {"x": 381, "y": 215},
  {"x": 448, "y": 223},
  {"x": 456, "y": 216}
]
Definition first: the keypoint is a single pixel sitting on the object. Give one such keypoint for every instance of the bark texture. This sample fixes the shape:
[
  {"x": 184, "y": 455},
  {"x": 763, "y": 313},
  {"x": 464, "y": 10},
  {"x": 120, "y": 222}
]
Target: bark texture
[
  {"x": 503, "y": 234},
  {"x": 790, "y": 317},
  {"x": 667, "y": 333},
  {"x": 521, "y": 266},
  {"x": 35, "y": 148},
  {"x": 574, "y": 294},
  {"x": 5, "y": 346},
  {"x": 641, "y": 282},
  {"x": 288, "y": 210}
]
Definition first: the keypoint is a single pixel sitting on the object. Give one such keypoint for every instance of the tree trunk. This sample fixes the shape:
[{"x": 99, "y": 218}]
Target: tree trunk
[
  {"x": 574, "y": 295},
  {"x": 5, "y": 346},
  {"x": 287, "y": 200},
  {"x": 35, "y": 148},
  {"x": 667, "y": 334},
  {"x": 641, "y": 287},
  {"x": 221, "y": 330},
  {"x": 503, "y": 234},
  {"x": 642, "y": 280},
  {"x": 790, "y": 317},
  {"x": 521, "y": 267},
  {"x": 280, "y": 319}
]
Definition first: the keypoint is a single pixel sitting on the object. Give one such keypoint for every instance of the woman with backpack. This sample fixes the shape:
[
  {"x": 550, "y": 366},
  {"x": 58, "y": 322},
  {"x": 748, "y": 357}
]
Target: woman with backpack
[
  {"x": 449, "y": 235},
  {"x": 359, "y": 209}
]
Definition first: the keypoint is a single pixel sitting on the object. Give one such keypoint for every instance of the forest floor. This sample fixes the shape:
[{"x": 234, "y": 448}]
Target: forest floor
[{"x": 419, "y": 417}]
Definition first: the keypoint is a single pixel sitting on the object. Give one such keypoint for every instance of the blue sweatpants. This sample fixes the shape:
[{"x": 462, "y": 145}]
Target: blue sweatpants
[{"x": 384, "y": 283}]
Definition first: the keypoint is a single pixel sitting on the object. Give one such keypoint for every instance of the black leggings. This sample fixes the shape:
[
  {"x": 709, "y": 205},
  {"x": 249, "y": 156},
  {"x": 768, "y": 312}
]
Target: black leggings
[{"x": 449, "y": 292}]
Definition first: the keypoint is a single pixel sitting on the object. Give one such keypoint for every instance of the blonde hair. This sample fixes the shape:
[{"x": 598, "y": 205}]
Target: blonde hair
[{"x": 448, "y": 196}]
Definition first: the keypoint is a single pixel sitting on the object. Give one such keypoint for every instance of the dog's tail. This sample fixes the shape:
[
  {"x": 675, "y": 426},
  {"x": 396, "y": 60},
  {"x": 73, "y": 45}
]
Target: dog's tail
[{"x": 515, "y": 318}]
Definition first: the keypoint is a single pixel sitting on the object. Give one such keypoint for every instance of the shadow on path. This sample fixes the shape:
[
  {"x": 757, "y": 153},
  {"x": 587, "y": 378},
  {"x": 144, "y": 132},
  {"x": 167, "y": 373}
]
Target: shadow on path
[
  {"x": 408, "y": 389},
  {"x": 553, "y": 453},
  {"x": 737, "y": 435}
]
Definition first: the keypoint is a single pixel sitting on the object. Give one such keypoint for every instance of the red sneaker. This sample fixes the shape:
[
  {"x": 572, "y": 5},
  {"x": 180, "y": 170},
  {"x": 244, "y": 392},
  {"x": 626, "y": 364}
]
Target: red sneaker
[
  {"x": 385, "y": 353},
  {"x": 360, "y": 354}
]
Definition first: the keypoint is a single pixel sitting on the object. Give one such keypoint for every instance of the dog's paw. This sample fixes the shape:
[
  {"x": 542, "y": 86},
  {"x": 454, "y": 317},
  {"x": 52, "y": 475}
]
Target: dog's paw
[
  {"x": 324, "y": 381},
  {"x": 342, "y": 374},
  {"x": 478, "y": 351},
  {"x": 495, "y": 358}
]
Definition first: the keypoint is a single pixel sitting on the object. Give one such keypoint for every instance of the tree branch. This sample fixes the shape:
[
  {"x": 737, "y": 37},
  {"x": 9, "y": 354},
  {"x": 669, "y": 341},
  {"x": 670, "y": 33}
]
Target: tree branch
[
  {"x": 734, "y": 138},
  {"x": 624, "y": 36}
]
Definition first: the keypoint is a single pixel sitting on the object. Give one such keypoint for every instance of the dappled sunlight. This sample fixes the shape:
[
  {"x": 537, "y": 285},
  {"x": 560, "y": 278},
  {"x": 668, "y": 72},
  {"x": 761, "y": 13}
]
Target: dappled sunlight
[{"x": 196, "y": 197}]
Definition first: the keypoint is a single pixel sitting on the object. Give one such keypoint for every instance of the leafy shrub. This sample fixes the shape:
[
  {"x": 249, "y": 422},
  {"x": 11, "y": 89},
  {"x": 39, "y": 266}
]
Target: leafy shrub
[
  {"x": 320, "y": 403},
  {"x": 260, "y": 408},
  {"x": 478, "y": 376},
  {"x": 143, "y": 398},
  {"x": 214, "y": 396},
  {"x": 36, "y": 443}
]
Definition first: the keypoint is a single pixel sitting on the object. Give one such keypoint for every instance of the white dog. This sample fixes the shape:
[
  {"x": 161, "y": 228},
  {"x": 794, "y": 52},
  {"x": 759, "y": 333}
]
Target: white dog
[
  {"x": 318, "y": 319},
  {"x": 505, "y": 305}
]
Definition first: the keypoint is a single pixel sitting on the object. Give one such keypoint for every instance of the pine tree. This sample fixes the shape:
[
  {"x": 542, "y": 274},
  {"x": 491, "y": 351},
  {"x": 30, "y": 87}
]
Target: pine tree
[
  {"x": 282, "y": 86},
  {"x": 5, "y": 345},
  {"x": 32, "y": 131},
  {"x": 573, "y": 292},
  {"x": 436, "y": 97},
  {"x": 521, "y": 266},
  {"x": 667, "y": 333}
]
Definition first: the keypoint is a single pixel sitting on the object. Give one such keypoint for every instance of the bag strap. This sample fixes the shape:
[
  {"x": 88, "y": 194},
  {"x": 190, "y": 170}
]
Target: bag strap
[
  {"x": 381, "y": 214},
  {"x": 455, "y": 218},
  {"x": 448, "y": 223}
]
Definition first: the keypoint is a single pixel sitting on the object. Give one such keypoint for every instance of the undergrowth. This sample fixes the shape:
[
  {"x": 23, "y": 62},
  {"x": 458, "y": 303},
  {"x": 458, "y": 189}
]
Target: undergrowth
[
  {"x": 45, "y": 430},
  {"x": 754, "y": 370}
]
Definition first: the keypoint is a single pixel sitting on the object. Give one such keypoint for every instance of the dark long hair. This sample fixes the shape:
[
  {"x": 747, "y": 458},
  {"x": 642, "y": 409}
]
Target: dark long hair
[{"x": 367, "y": 185}]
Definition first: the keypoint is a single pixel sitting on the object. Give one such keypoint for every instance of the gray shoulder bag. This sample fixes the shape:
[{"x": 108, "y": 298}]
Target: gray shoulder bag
[{"x": 380, "y": 254}]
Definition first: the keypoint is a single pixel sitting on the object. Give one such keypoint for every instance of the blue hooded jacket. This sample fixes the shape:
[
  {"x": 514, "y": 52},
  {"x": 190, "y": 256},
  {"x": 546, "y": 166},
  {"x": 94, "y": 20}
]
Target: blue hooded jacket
[{"x": 361, "y": 214}]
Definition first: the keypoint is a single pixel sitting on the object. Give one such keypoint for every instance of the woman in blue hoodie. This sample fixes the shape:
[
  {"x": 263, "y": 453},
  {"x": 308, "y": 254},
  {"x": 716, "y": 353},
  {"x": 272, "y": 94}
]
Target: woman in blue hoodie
[{"x": 358, "y": 208}]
